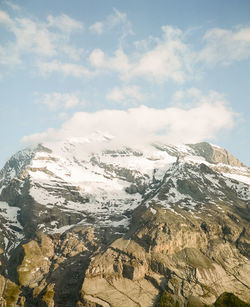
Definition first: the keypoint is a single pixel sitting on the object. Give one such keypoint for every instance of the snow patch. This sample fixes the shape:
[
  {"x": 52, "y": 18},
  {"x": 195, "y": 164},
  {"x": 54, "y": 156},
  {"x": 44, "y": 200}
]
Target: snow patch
[{"x": 153, "y": 210}]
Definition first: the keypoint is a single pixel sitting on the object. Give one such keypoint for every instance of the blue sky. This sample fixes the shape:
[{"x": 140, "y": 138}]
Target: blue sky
[{"x": 173, "y": 71}]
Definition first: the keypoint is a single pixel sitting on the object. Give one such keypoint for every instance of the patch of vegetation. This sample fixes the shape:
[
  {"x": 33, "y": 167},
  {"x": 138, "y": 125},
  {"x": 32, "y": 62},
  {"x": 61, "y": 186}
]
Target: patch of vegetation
[
  {"x": 49, "y": 294},
  {"x": 12, "y": 292},
  {"x": 197, "y": 303},
  {"x": 229, "y": 300},
  {"x": 191, "y": 188},
  {"x": 166, "y": 300}
]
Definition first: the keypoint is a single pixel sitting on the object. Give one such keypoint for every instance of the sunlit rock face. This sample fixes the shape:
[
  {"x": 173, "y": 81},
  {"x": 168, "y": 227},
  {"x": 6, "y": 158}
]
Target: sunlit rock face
[{"x": 83, "y": 224}]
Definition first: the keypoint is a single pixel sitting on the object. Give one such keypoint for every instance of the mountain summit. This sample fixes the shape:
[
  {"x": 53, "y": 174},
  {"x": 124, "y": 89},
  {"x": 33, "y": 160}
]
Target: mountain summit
[{"x": 84, "y": 226}]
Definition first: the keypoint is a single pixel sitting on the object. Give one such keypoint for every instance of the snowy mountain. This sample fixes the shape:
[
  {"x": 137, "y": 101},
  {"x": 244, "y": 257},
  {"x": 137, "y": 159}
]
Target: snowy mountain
[{"x": 104, "y": 200}]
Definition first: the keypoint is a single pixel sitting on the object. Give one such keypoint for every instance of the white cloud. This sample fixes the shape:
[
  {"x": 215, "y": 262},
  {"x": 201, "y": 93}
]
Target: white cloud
[
  {"x": 37, "y": 38},
  {"x": 154, "y": 59},
  {"x": 225, "y": 46},
  {"x": 97, "y": 27},
  {"x": 68, "y": 69},
  {"x": 166, "y": 60},
  {"x": 5, "y": 18},
  {"x": 32, "y": 37},
  {"x": 169, "y": 58},
  {"x": 61, "y": 100},
  {"x": 127, "y": 95},
  {"x": 143, "y": 125},
  {"x": 97, "y": 58},
  {"x": 64, "y": 23}
]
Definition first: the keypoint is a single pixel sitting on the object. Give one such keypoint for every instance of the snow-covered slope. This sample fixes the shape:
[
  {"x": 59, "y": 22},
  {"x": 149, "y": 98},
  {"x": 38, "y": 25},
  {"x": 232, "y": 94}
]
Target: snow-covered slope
[{"x": 73, "y": 179}]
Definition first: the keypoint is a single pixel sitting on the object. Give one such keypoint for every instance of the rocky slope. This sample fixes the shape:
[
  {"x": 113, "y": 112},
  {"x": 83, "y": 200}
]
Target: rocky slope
[{"x": 87, "y": 227}]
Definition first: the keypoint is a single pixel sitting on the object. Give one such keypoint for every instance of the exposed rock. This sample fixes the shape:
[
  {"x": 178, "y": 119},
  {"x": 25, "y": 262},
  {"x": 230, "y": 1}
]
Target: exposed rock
[{"x": 215, "y": 154}]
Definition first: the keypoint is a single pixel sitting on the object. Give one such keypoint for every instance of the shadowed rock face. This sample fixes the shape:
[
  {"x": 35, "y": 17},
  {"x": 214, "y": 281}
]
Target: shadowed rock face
[
  {"x": 229, "y": 299},
  {"x": 214, "y": 154},
  {"x": 124, "y": 228}
]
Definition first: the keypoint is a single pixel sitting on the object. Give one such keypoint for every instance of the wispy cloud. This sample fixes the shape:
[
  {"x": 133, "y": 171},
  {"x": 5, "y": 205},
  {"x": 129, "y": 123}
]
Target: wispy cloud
[
  {"x": 32, "y": 37},
  {"x": 116, "y": 19},
  {"x": 225, "y": 46},
  {"x": 67, "y": 69},
  {"x": 9, "y": 57},
  {"x": 13, "y": 6},
  {"x": 127, "y": 95},
  {"x": 73, "y": 53},
  {"x": 65, "y": 23},
  {"x": 190, "y": 97},
  {"x": 97, "y": 27},
  {"x": 60, "y": 101},
  {"x": 169, "y": 58},
  {"x": 5, "y": 19},
  {"x": 37, "y": 38}
]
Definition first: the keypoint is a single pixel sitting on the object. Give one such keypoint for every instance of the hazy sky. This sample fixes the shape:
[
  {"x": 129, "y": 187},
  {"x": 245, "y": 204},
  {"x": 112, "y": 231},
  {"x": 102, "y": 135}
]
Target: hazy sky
[{"x": 175, "y": 71}]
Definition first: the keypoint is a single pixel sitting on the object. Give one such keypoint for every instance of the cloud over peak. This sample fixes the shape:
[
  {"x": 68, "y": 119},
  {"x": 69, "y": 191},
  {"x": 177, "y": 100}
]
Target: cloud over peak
[{"x": 143, "y": 125}]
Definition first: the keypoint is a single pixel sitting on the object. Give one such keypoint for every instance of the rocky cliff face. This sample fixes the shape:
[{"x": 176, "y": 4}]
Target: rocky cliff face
[{"x": 123, "y": 227}]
